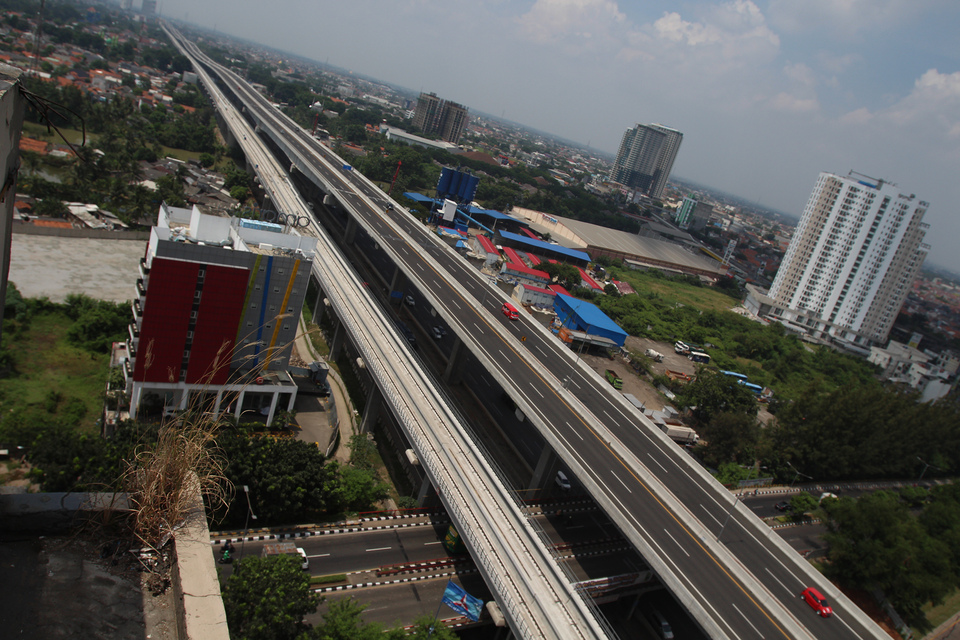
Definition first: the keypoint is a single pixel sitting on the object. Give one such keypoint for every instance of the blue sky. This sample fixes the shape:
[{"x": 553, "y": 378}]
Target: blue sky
[{"x": 767, "y": 93}]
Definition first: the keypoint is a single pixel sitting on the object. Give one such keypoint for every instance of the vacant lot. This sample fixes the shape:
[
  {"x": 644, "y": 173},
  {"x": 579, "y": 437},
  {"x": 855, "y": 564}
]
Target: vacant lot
[{"x": 52, "y": 373}]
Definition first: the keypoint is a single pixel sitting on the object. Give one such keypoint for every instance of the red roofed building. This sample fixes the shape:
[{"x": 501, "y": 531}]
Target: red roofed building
[
  {"x": 524, "y": 274},
  {"x": 587, "y": 281}
]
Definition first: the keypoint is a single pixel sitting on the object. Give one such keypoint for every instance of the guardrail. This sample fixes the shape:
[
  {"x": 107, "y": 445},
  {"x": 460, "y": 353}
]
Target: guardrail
[{"x": 542, "y": 604}]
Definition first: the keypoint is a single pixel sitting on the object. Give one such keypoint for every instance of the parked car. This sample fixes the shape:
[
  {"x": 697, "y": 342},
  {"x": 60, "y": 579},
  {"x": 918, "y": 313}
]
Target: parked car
[
  {"x": 660, "y": 625},
  {"x": 816, "y": 601}
]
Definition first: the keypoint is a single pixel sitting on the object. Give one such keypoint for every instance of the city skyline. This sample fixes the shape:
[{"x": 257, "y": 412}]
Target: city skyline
[{"x": 768, "y": 94}]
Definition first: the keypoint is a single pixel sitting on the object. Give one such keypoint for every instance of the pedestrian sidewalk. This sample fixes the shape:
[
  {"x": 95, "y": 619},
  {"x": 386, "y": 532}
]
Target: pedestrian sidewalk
[{"x": 346, "y": 415}]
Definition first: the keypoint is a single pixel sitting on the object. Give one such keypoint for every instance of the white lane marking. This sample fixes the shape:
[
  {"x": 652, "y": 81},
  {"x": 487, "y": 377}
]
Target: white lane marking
[
  {"x": 709, "y": 514},
  {"x": 319, "y": 555},
  {"x": 676, "y": 543},
  {"x": 454, "y": 303},
  {"x": 380, "y": 549},
  {"x": 777, "y": 579},
  {"x": 847, "y": 626},
  {"x": 621, "y": 481},
  {"x": 577, "y": 433},
  {"x": 746, "y": 618},
  {"x": 657, "y": 462},
  {"x": 612, "y": 419},
  {"x": 427, "y": 544},
  {"x": 475, "y": 324},
  {"x": 537, "y": 390},
  {"x": 651, "y": 540},
  {"x": 485, "y": 381},
  {"x": 500, "y": 351}
]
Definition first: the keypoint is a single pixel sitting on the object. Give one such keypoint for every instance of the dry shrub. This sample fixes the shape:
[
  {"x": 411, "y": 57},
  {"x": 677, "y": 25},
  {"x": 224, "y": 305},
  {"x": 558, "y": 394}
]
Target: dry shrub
[{"x": 161, "y": 480}]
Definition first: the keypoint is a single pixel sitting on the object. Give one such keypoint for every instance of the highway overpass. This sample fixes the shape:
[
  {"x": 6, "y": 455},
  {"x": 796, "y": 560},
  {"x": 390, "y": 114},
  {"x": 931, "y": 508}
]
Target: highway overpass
[{"x": 742, "y": 586}]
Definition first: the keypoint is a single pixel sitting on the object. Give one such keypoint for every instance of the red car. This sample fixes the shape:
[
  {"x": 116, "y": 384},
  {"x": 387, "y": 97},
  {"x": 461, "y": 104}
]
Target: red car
[{"x": 816, "y": 600}]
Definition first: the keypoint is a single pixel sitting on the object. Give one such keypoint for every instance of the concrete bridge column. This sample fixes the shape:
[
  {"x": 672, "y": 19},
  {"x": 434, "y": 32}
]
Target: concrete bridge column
[
  {"x": 371, "y": 410},
  {"x": 545, "y": 470},
  {"x": 350, "y": 233},
  {"x": 336, "y": 344},
  {"x": 453, "y": 374},
  {"x": 319, "y": 306},
  {"x": 426, "y": 492}
]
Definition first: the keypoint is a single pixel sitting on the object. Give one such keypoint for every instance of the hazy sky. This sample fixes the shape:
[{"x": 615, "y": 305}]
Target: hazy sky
[{"x": 767, "y": 93}]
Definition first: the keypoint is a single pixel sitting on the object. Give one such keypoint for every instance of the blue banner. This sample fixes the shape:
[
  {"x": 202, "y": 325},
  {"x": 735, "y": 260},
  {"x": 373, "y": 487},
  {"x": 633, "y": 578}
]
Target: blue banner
[{"x": 461, "y": 601}]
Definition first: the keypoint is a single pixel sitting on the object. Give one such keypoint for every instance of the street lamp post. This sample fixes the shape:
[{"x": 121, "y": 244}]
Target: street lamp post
[
  {"x": 797, "y": 474},
  {"x": 926, "y": 465},
  {"x": 250, "y": 514}
]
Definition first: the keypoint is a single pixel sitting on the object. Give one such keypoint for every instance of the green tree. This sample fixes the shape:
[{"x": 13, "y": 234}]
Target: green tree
[
  {"x": 267, "y": 599},
  {"x": 51, "y": 208},
  {"x": 713, "y": 393},
  {"x": 566, "y": 275},
  {"x": 731, "y": 437},
  {"x": 803, "y": 503},
  {"x": 343, "y": 621},
  {"x": 876, "y": 542}
]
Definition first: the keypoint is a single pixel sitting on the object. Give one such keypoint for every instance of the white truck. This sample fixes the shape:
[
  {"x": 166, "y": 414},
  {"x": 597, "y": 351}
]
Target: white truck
[
  {"x": 655, "y": 355},
  {"x": 286, "y": 549},
  {"x": 679, "y": 433}
]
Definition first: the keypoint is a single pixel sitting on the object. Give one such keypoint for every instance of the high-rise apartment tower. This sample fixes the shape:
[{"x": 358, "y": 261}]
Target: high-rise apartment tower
[
  {"x": 646, "y": 157},
  {"x": 852, "y": 259},
  {"x": 443, "y": 117}
]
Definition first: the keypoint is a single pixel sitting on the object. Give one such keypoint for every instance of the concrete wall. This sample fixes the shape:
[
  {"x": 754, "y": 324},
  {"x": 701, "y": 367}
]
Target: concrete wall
[
  {"x": 27, "y": 228},
  {"x": 200, "y": 612}
]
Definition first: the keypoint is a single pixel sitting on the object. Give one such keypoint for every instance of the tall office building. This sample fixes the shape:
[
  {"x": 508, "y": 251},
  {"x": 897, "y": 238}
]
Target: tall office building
[
  {"x": 852, "y": 260},
  {"x": 149, "y": 7},
  {"x": 216, "y": 312},
  {"x": 443, "y": 117},
  {"x": 646, "y": 157}
]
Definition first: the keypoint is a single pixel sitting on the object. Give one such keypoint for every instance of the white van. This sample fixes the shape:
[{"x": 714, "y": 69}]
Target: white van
[{"x": 562, "y": 481}]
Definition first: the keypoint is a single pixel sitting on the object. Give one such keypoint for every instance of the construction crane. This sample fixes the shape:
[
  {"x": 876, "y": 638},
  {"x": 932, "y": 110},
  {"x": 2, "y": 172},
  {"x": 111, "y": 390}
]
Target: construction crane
[{"x": 394, "y": 181}]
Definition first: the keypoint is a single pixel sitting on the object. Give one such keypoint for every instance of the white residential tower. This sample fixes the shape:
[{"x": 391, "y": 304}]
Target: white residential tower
[{"x": 852, "y": 260}]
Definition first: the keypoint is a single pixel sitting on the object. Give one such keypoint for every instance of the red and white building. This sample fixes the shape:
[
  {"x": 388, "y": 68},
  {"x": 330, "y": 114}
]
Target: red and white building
[{"x": 216, "y": 311}]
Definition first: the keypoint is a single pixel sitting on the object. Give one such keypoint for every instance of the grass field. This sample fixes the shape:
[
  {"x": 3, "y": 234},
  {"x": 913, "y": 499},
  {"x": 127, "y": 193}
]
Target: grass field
[
  {"x": 46, "y": 362},
  {"x": 672, "y": 292},
  {"x": 941, "y": 613},
  {"x": 74, "y": 136}
]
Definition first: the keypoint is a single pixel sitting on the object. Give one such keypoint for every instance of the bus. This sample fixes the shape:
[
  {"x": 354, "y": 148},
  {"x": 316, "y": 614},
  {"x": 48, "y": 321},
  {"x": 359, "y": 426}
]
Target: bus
[
  {"x": 699, "y": 356},
  {"x": 757, "y": 389},
  {"x": 734, "y": 374}
]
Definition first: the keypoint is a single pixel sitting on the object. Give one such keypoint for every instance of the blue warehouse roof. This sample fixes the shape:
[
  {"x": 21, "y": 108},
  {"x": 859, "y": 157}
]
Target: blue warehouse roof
[
  {"x": 591, "y": 315},
  {"x": 544, "y": 246}
]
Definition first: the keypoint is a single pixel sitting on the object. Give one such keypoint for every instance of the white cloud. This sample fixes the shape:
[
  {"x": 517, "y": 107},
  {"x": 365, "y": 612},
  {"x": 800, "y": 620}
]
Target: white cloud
[
  {"x": 786, "y": 102},
  {"x": 856, "y": 117},
  {"x": 725, "y": 37},
  {"x": 559, "y": 20},
  {"x": 935, "y": 99},
  {"x": 837, "y": 63},
  {"x": 800, "y": 74},
  {"x": 847, "y": 17}
]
